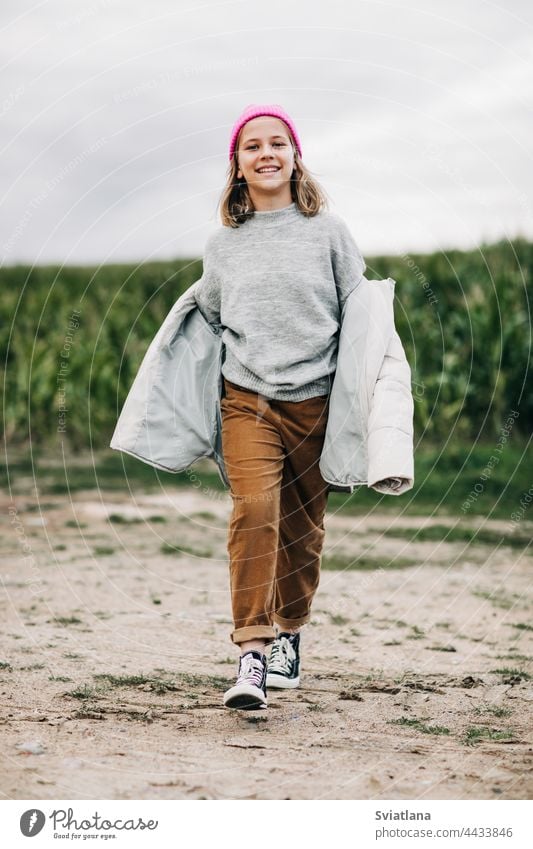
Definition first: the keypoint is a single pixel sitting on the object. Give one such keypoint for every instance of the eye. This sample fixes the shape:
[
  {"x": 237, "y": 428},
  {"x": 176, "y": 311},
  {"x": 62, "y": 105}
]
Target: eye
[{"x": 278, "y": 144}]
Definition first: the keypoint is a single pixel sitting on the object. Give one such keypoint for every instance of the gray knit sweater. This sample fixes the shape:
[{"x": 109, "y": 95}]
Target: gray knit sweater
[{"x": 275, "y": 287}]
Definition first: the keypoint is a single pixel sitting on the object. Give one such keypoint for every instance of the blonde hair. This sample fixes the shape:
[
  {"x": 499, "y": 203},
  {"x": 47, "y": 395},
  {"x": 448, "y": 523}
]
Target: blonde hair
[{"x": 236, "y": 204}]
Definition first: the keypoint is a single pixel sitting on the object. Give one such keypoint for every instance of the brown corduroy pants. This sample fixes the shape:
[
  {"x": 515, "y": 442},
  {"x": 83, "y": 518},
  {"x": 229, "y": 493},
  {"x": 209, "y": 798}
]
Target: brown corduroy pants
[{"x": 271, "y": 452}]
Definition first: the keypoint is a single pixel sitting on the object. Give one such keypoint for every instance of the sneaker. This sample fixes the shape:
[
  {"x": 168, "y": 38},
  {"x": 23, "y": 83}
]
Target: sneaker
[
  {"x": 249, "y": 692},
  {"x": 283, "y": 670}
]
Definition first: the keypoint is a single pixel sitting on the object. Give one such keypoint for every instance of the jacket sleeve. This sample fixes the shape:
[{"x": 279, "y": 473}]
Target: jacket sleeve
[
  {"x": 207, "y": 288},
  {"x": 390, "y": 424},
  {"x": 347, "y": 260}
]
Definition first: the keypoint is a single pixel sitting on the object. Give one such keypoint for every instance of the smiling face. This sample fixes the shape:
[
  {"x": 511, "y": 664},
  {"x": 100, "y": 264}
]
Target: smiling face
[{"x": 266, "y": 161}]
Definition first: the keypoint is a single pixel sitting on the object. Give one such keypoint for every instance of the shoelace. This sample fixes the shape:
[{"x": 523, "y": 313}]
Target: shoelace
[
  {"x": 251, "y": 671},
  {"x": 280, "y": 655}
]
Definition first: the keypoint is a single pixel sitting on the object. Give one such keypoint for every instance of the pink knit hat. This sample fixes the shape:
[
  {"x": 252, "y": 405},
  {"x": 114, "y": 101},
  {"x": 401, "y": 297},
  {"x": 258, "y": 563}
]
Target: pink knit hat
[{"x": 254, "y": 110}]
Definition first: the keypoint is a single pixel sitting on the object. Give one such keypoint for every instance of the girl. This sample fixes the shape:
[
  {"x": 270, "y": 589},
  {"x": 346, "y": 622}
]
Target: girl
[{"x": 276, "y": 276}]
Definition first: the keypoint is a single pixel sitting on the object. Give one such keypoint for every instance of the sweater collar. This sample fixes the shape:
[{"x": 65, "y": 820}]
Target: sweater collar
[{"x": 274, "y": 217}]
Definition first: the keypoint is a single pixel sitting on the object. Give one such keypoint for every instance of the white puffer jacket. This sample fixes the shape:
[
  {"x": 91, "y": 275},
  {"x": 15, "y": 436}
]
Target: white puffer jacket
[{"x": 171, "y": 416}]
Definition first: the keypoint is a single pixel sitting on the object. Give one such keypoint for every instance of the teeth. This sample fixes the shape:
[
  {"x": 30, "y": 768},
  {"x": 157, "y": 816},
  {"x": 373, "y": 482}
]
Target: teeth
[{"x": 266, "y": 170}]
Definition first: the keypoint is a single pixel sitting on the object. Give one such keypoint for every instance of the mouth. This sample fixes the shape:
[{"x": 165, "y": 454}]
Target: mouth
[{"x": 269, "y": 169}]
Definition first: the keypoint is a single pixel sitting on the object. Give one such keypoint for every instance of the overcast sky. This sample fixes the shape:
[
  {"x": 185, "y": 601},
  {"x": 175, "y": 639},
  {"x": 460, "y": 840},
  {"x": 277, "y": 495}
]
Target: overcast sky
[{"x": 416, "y": 118}]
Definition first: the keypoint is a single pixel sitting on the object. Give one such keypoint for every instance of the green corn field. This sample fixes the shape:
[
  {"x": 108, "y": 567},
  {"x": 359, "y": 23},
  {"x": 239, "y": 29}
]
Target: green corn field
[{"x": 74, "y": 337}]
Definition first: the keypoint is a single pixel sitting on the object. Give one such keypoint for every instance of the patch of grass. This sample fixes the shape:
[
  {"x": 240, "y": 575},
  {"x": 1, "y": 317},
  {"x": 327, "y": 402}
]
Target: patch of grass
[
  {"x": 204, "y": 514},
  {"x": 441, "y": 648},
  {"x": 513, "y": 656},
  {"x": 493, "y": 710},
  {"x": 158, "y": 685},
  {"x": 393, "y": 643},
  {"x": 119, "y": 519},
  {"x": 418, "y": 633},
  {"x": 83, "y": 692},
  {"x": 522, "y": 626},
  {"x": 355, "y": 632},
  {"x": 362, "y": 563},
  {"x": 315, "y": 707},
  {"x": 498, "y": 598},
  {"x": 255, "y": 720},
  {"x": 178, "y": 550},
  {"x": 72, "y": 656},
  {"x": 72, "y": 523},
  {"x": 375, "y": 675},
  {"x": 192, "y": 680},
  {"x": 459, "y": 533},
  {"x": 63, "y": 678},
  {"x": 66, "y": 620},
  {"x": 337, "y": 619},
  {"x": 114, "y": 472},
  {"x": 216, "y": 681},
  {"x": 476, "y": 733},
  {"x": 31, "y": 667},
  {"x": 60, "y": 547},
  {"x": 511, "y": 672},
  {"x": 420, "y": 726},
  {"x": 449, "y": 475},
  {"x": 103, "y": 550},
  {"x": 5, "y": 665}
]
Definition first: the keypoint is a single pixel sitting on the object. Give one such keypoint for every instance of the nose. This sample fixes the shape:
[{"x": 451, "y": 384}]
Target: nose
[{"x": 266, "y": 156}]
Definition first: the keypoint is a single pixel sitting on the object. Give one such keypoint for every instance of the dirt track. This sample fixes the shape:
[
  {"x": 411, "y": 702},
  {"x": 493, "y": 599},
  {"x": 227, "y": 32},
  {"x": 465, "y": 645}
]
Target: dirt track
[{"x": 401, "y": 696}]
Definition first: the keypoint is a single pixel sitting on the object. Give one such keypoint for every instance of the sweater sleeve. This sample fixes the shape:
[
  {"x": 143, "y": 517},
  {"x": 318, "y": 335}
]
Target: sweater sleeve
[
  {"x": 207, "y": 288},
  {"x": 347, "y": 260}
]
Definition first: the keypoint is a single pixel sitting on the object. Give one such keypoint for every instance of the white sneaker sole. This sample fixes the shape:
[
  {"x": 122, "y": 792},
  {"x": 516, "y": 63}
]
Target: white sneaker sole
[
  {"x": 245, "y": 697},
  {"x": 278, "y": 682}
]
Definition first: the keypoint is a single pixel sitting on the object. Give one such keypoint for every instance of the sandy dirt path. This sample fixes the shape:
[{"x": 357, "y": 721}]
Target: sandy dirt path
[{"x": 115, "y": 655}]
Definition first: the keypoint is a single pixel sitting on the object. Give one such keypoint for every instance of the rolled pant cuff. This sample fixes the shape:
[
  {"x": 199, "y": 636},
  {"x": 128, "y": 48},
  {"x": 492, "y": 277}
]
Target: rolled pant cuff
[
  {"x": 290, "y": 623},
  {"x": 254, "y": 632}
]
